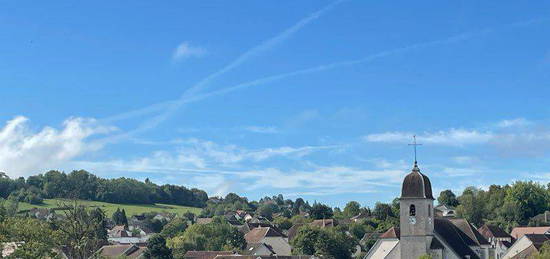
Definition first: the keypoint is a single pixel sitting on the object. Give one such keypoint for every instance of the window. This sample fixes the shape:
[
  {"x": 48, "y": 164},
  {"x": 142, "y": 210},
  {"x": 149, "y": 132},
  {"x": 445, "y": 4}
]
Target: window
[
  {"x": 412, "y": 210},
  {"x": 429, "y": 210}
]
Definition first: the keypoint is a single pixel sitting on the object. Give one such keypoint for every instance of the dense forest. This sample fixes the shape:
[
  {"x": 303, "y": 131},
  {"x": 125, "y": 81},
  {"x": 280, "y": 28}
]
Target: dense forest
[{"x": 86, "y": 186}]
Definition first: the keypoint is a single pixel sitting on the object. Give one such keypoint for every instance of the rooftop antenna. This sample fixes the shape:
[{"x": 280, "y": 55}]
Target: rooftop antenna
[{"x": 414, "y": 144}]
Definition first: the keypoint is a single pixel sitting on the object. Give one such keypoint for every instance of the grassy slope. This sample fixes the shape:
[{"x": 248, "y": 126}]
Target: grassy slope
[{"x": 109, "y": 208}]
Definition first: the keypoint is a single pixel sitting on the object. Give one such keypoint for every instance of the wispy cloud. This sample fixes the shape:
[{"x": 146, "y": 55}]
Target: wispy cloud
[
  {"x": 262, "y": 129},
  {"x": 186, "y": 50},
  {"x": 465, "y": 159},
  {"x": 452, "y": 137},
  {"x": 198, "y": 155},
  {"x": 518, "y": 122},
  {"x": 222, "y": 168},
  {"x": 24, "y": 152}
]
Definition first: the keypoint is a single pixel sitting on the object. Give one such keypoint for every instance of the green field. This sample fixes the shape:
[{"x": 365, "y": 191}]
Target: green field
[{"x": 109, "y": 208}]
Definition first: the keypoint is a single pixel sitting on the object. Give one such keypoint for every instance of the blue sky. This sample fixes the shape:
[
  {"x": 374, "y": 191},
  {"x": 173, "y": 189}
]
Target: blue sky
[{"x": 316, "y": 99}]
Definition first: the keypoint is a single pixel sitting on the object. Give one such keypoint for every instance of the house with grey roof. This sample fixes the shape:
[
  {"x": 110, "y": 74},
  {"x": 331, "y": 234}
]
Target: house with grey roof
[
  {"x": 269, "y": 236},
  {"x": 526, "y": 246},
  {"x": 121, "y": 251}
]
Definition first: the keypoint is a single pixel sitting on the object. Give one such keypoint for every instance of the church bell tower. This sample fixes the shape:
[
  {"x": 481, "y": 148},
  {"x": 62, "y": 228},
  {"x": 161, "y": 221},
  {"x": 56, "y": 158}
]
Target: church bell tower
[{"x": 416, "y": 215}]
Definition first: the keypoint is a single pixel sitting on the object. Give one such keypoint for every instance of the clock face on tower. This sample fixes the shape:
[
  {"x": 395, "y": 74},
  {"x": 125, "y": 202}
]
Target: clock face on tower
[{"x": 412, "y": 220}]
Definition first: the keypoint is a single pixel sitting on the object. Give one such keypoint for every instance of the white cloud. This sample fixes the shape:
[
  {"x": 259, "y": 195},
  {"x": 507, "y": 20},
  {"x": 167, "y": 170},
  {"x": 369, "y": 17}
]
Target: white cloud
[
  {"x": 518, "y": 122},
  {"x": 231, "y": 154},
  {"x": 185, "y": 50},
  {"x": 261, "y": 129},
  {"x": 452, "y": 137},
  {"x": 223, "y": 168},
  {"x": 456, "y": 172},
  {"x": 24, "y": 152},
  {"x": 465, "y": 159},
  {"x": 200, "y": 156}
]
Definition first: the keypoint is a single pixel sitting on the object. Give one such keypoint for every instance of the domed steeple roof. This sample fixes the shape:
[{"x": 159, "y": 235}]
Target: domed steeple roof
[{"x": 416, "y": 185}]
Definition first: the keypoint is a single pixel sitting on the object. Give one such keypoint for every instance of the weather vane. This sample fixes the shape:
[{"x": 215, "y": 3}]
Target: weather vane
[{"x": 414, "y": 144}]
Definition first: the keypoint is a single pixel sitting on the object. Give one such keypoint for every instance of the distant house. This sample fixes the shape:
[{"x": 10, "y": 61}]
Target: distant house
[
  {"x": 202, "y": 221},
  {"x": 232, "y": 219},
  {"x": 129, "y": 240},
  {"x": 360, "y": 216},
  {"x": 526, "y": 246},
  {"x": 247, "y": 217},
  {"x": 369, "y": 239},
  {"x": 119, "y": 231},
  {"x": 8, "y": 248},
  {"x": 205, "y": 254},
  {"x": 324, "y": 223},
  {"x": 258, "y": 219},
  {"x": 215, "y": 199},
  {"x": 121, "y": 235},
  {"x": 264, "y": 257},
  {"x": 386, "y": 245},
  {"x": 498, "y": 238},
  {"x": 138, "y": 217},
  {"x": 293, "y": 231},
  {"x": 519, "y": 232},
  {"x": 494, "y": 233},
  {"x": 271, "y": 237},
  {"x": 118, "y": 251},
  {"x": 164, "y": 216},
  {"x": 258, "y": 249},
  {"x": 543, "y": 218},
  {"x": 42, "y": 213},
  {"x": 444, "y": 211}
]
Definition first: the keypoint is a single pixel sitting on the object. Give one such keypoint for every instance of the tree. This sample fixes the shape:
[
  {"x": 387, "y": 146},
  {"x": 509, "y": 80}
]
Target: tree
[
  {"x": 82, "y": 230},
  {"x": 55, "y": 184},
  {"x": 425, "y": 257},
  {"x": 6, "y": 186},
  {"x": 320, "y": 211},
  {"x": 471, "y": 206},
  {"x": 157, "y": 249},
  {"x": 124, "y": 219},
  {"x": 215, "y": 236},
  {"x": 282, "y": 223},
  {"x": 530, "y": 197},
  {"x": 174, "y": 227},
  {"x": 298, "y": 219},
  {"x": 358, "y": 230},
  {"x": 544, "y": 251},
  {"x": 266, "y": 210},
  {"x": 352, "y": 209},
  {"x": 323, "y": 243},
  {"x": 382, "y": 211},
  {"x": 35, "y": 238},
  {"x": 447, "y": 197}
]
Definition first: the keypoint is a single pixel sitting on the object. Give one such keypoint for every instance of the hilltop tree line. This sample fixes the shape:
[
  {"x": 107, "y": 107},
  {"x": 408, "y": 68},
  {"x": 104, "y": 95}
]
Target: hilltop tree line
[
  {"x": 86, "y": 186},
  {"x": 503, "y": 205}
]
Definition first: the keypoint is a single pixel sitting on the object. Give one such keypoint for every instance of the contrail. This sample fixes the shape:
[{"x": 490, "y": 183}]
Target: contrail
[
  {"x": 264, "y": 46},
  {"x": 168, "y": 108},
  {"x": 264, "y": 80}
]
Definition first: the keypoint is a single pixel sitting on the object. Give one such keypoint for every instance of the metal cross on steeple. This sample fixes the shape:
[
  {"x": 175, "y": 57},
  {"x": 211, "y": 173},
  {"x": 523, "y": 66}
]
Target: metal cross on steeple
[{"x": 414, "y": 144}]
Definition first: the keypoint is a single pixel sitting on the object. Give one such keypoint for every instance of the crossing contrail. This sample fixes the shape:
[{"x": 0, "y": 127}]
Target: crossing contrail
[
  {"x": 168, "y": 108},
  {"x": 188, "y": 98},
  {"x": 262, "y": 47}
]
